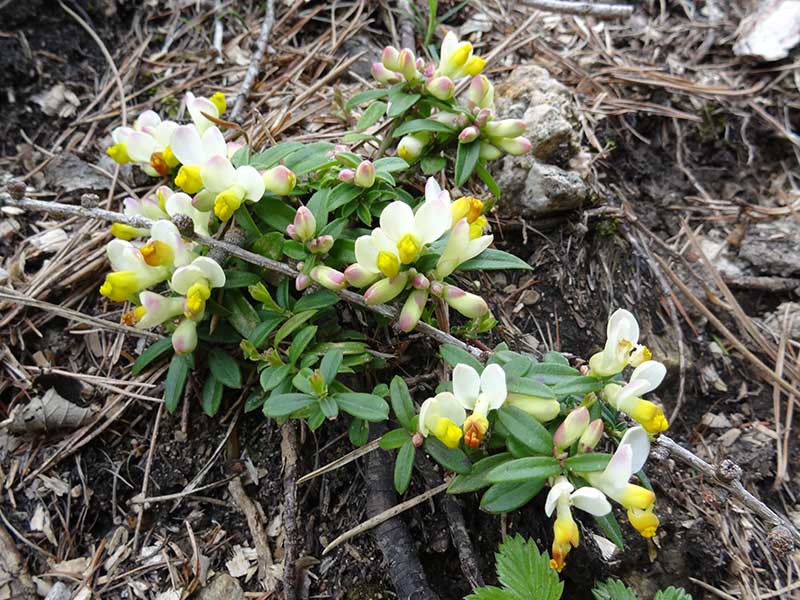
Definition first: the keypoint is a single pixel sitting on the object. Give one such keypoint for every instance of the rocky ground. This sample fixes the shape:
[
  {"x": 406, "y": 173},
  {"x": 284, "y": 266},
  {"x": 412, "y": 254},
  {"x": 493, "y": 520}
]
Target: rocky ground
[{"x": 653, "y": 142}]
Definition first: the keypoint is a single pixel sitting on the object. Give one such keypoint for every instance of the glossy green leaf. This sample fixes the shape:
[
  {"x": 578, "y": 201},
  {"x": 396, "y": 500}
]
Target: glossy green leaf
[
  {"x": 579, "y": 386},
  {"x": 391, "y": 440},
  {"x": 176, "y": 380},
  {"x": 526, "y": 430},
  {"x": 225, "y": 368},
  {"x": 300, "y": 341},
  {"x": 493, "y": 259},
  {"x": 530, "y": 387},
  {"x": 212, "y": 395},
  {"x": 585, "y": 463},
  {"x": 316, "y": 301},
  {"x": 416, "y": 125},
  {"x": 466, "y": 160},
  {"x": 283, "y": 405},
  {"x": 400, "y": 102},
  {"x": 452, "y": 459},
  {"x": 523, "y": 469},
  {"x": 152, "y": 352},
  {"x": 402, "y": 405},
  {"x": 454, "y": 355},
  {"x": 476, "y": 479},
  {"x": 358, "y": 432},
  {"x": 292, "y": 324},
  {"x": 432, "y": 164},
  {"x": 373, "y": 113},
  {"x": 403, "y": 465},
  {"x": 366, "y": 96},
  {"x": 364, "y": 406},
  {"x": 329, "y": 366},
  {"x": 505, "y": 497},
  {"x": 271, "y": 377}
]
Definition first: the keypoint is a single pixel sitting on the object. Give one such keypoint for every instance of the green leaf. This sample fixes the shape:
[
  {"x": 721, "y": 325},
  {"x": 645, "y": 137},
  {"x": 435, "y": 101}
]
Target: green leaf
[
  {"x": 579, "y": 386},
  {"x": 364, "y": 406},
  {"x": 254, "y": 400},
  {"x": 295, "y": 249},
  {"x": 490, "y": 592},
  {"x": 212, "y": 395},
  {"x": 176, "y": 380},
  {"x": 517, "y": 367},
  {"x": 610, "y": 527},
  {"x": 493, "y": 259},
  {"x": 530, "y": 387},
  {"x": 403, "y": 466},
  {"x": 243, "y": 317},
  {"x": 274, "y": 212},
  {"x": 526, "y": 429},
  {"x": 555, "y": 357},
  {"x": 283, "y": 405},
  {"x": 299, "y": 342},
  {"x": 371, "y": 115},
  {"x": 330, "y": 364},
  {"x": 272, "y": 156},
  {"x": 487, "y": 178},
  {"x": 349, "y": 138},
  {"x": 292, "y": 324},
  {"x": 241, "y": 156},
  {"x": 390, "y": 164},
  {"x": 432, "y": 164},
  {"x": 258, "y": 337},
  {"x": 552, "y": 373},
  {"x": 343, "y": 194},
  {"x": 245, "y": 221},
  {"x": 316, "y": 301},
  {"x": 225, "y": 368},
  {"x": 585, "y": 463},
  {"x": 400, "y": 102},
  {"x": 358, "y": 432},
  {"x": 271, "y": 377},
  {"x": 523, "y": 469},
  {"x": 329, "y": 407},
  {"x": 402, "y": 405},
  {"x": 261, "y": 294},
  {"x": 672, "y": 593},
  {"x": 454, "y": 355},
  {"x": 394, "y": 439},
  {"x": 452, "y": 459},
  {"x": 466, "y": 160},
  {"x": 476, "y": 478},
  {"x": 152, "y": 352},
  {"x": 366, "y": 96},
  {"x": 613, "y": 589},
  {"x": 505, "y": 497},
  {"x": 240, "y": 279},
  {"x": 415, "y": 125},
  {"x": 522, "y": 569},
  {"x": 269, "y": 245}
]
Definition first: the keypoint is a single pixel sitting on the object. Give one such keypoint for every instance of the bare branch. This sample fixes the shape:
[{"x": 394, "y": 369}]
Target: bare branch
[
  {"x": 584, "y": 9},
  {"x": 255, "y": 61}
]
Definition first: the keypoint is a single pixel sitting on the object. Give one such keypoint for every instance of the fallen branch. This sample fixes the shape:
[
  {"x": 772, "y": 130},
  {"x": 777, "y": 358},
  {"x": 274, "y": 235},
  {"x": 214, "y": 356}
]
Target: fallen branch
[
  {"x": 255, "y": 61},
  {"x": 583, "y": 9},
  {"x": 290, "y": 513},
  {"x": 275, "y": 266},
  {"x": 727, "y": 477}
]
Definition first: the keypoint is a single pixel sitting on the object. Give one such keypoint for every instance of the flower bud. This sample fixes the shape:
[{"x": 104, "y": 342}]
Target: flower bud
[
  {"x": 483, "y": 117},
  {"x": 418, "y": 439},
  {"x": 468, "y": 134},
  {"x": 454, "y": 120},
  {"x": 279, "y": 180},
  {"x": 390, "y": 58},
  {"x": 408, "y": 65},
  {"x": 317, "y": 382},
  {"x": 301, "y": 282},
  {"x": 384, "y": 75},
  {"x": 505, "y": 128},
  {"x": 420, "y": 282},
  {"x": 291, "y": 231},
  {"x": 489, "y": 152},
  {"x": 204, "y": 200},
  {"x": 320, "y": 245},
  {"x": 305, "y": 225},
  {"x": 469, "y": 305},
  {"x": 541, "y": 409},
  {"x": 365, "y": 174},
  {"x": 572, "y": 428},
  {"x": 386, "y": 289},
  {"x": 328, "y": 278},
  {"x": 411, "y": 145},
  {"x": 440, "y": 87},
  {"x": 347, "y": 175},
  {"x": 591, "y": 437},
  {"x": 480, "y": 93},
  {"x": 437, "y": 288},
  {"x": 184, "y": 338},
  {"x": 514, "y": 146},
  {"x": 412, "y": 310},
  {"x": 358, "y": 277},
  {"x": 420, "y": 63}
]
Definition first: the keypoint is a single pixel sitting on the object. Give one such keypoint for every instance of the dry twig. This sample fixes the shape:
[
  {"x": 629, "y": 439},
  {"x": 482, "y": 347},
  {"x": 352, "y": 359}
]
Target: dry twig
[{"x": 255, "y": 61}]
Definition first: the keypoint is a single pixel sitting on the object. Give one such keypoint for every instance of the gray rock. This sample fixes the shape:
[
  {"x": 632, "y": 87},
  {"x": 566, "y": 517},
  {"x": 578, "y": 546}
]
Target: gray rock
[
  {"x": 222, "y": 587},
  {"x": 543, "y": 190},
  {"x": 70, "y": 173},
  {"x": 773, "y": 247}
]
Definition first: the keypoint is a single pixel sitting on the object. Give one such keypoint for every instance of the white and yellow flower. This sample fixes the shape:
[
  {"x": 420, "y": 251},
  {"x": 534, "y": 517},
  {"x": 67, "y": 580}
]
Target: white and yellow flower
[
  {"x": 614, "y": 481},
  {"x": 462, "y": 246},
  {"x": 561, "y": 498},
  {"x": 622, "y": 346},
  {"x": 645, "y": 378},
  {"x": 197, "y": 105},
  {"x": 146, "y": 143},
  {"x": 194, "y": 150},
  {"x": 180, "y": 203},
  {"x": 456, "y": 59},
  {"x": 442, "y": 416},
  {"x": 195, "y": 281},
  {"x": 479, "y": 394}
]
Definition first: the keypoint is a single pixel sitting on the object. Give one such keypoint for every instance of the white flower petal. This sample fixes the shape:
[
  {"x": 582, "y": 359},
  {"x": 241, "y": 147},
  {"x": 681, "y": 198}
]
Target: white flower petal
[
  {"x": 561, "y": 487},
  {"x": 651, "y": 371},
  {"x": 477, "y": 246},
  {"x": 140, "y": 146},
  {"x": 639, "y": 442},
  {"x": 397, "y": 219},
  {"x": 186, "y": 145},
  {"x": 218, "y": 174},
  {"x": 432, "y": 189},
  {"x": 432, "y": 220},
  {"x": 163, "y": 133},
  {"x": 426, "y": 411},
  {"x": 213, "y": 143},
  {"x": 622, "y": 325},
  {"x": 148, "y": 118},
  {"x": 619, "y": 470},
  {"x": 198, "y": 105},
  {"x": 382, "y": 241},
  {"x": 591, "y": 500},
  {"x": 367, "y": 253},
  {"x": 252, "y": 181},
  {"x": 493, "y": 385},
  {"x": 466, "y": 385},
  {"x": 450, "y": 408},
  {"x": 185, "y": 277},
  {"x": 123, "y": 255},
  {"x": 213, "y": 272}
]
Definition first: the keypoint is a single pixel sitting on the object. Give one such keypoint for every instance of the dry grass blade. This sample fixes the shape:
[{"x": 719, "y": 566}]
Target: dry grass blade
[{"x": 340, "y": 462}]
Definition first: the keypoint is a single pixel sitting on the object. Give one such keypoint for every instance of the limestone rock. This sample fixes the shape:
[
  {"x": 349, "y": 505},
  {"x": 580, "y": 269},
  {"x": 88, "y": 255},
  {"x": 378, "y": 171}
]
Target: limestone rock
[
  {"x": 773, "y": 247},
  {"x": 222, "y": 587},
  {"x": 542, "y": 189}
]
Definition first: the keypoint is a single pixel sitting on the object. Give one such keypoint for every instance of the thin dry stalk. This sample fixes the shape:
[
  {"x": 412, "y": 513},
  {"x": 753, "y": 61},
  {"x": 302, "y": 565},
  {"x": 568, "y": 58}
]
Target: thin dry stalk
[{"x": 255, "y": 61}]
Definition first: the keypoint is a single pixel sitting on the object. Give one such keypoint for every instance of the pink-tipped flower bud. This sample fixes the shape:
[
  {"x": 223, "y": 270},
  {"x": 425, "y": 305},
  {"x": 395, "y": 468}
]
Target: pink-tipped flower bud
[
  {"x": 420, "y": 282},
  {"x": 320, "y": 245},
  {"x": 365, "y": 174},
  {"x": 384, "y": 75},
  {"x": 328, "y": 278},
  {"x": 591, "y": 437},
  {"x": 441, "y": 88},
  {"x": 480, "y": 93},
  {"x": 483, "y": 117},
  {"x": 420, "y": 64},
  {"x": 408, "y": 65},
  {"x": 515, "y": 146},
  {"x": 468, "y": 134},
  {"x": 469, "y": 305},
  {"x": 305, "y": 225},
  {"x": 184, "y": 338},
  {"x": 292, "y": 232},
  {"x": 429, "y": 70},
  {"x": 347, "y": 175},
  {"x": 301, "y": 282},
  {"x": 390, "y": 58},
  {"x": 454, "y": 120},
  {"x": 571, "y": 428},
  {"x": 489, "y": 152},
  {"x": 359, "y": 277},
  {"x": 418, "y": 439},
  {"x": 437, "y": 288},
  {"x": 386, "y": 289},
  {"x": 411, "y": 145},
  {"x": 279, "y": 180},
  {"x": 505, "y": 128},
  {"x": 412, "y": 310}
]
